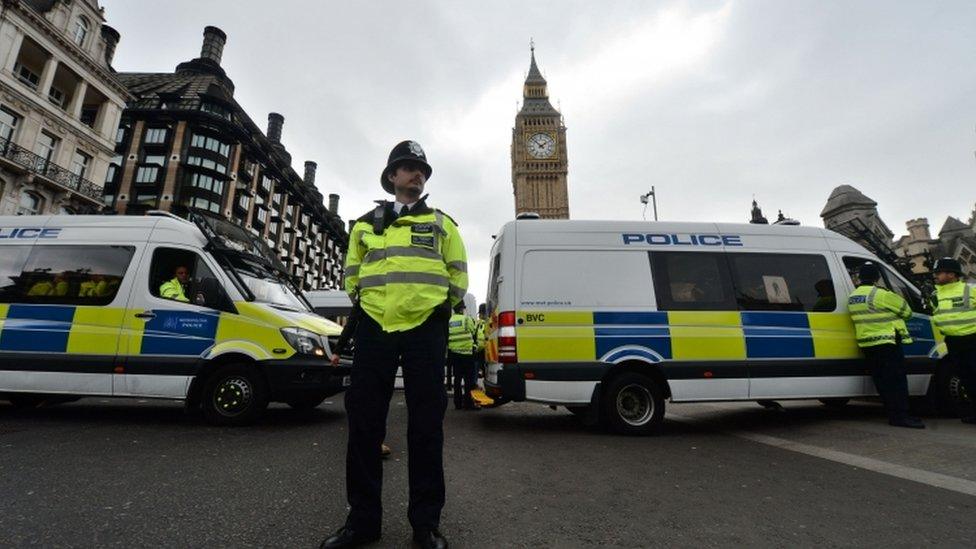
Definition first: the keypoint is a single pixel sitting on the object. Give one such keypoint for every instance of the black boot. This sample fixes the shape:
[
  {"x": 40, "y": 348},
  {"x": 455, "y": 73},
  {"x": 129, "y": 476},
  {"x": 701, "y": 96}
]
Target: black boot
[
  {"x": 347, "y": 537},
  {"x": 429, "y": 539}
]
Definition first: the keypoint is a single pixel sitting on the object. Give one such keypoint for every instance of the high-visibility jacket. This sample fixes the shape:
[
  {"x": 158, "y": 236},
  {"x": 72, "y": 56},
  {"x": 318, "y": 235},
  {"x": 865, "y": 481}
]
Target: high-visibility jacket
[
  {"x": 955, "y": 309},
  {"x": 172, "y": 289},
  {"x": 403, "y": 268},
  {"x": 93, "y": 288},
  {"x": 461, "y": 334},
  {"x": 879, "y": 316},
  {"x": 480, "y": 336},
  {"x": 49, "y": 287}
]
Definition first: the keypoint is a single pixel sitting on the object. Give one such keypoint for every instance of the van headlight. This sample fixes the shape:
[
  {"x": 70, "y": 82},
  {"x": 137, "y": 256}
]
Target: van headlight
[{"x": 304, "y": 341}]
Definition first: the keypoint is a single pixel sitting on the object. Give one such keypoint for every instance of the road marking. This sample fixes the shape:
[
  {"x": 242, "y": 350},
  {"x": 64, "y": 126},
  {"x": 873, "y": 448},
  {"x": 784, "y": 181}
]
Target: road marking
[{"x": 938, "y": 480}]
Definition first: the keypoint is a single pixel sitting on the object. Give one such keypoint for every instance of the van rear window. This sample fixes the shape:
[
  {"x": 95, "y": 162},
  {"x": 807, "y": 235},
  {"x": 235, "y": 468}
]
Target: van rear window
[{"x": 68, "y": 275}]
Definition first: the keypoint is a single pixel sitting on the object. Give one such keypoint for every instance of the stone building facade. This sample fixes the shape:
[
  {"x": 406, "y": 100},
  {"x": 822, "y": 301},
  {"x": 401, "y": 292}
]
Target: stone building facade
[
  {"x": 955, "y": 239},
  {"x": 539, "y": 162},
  {"x": 185, "y": 144},
  {"x": 849, "y": 212},
  {"x": 60, "y": 102}
]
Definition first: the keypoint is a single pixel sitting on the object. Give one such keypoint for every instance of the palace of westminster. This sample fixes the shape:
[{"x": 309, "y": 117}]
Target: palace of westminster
[{"x": 76, "y": 136}]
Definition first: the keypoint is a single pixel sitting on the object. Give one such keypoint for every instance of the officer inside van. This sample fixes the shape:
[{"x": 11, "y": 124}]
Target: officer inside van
[{"x": 176, "y": 288}]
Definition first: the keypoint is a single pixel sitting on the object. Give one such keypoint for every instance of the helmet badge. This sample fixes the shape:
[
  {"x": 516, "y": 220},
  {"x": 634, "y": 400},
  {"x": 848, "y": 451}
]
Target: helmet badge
[{"x": 415, "y": 148}]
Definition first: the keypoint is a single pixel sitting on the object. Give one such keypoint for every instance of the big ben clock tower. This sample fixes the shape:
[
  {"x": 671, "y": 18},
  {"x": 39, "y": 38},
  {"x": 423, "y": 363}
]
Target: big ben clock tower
[{"x": 539, "y": 164}]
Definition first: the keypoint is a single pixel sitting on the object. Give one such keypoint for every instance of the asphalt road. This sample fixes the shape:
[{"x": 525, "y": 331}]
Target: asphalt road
[{"x": 127, "y": 473}]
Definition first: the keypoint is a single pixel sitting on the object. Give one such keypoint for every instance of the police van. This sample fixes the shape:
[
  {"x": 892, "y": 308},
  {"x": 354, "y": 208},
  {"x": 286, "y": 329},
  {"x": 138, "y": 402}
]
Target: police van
[
  {"x": 613, "y": 318},
  {"x": 156, "y": 307}
]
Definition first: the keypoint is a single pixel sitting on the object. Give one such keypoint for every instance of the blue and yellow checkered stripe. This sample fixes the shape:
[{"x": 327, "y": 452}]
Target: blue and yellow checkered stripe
[
  {"x": 97, "y": 331},
  {"x": 696, "y": 335}
]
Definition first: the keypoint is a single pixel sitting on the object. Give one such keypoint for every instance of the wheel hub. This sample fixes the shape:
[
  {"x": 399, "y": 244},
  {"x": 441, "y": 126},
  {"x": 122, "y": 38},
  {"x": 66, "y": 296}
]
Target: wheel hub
[
  {"x": 635, "y": 406},
  {"x": 232, "y": 396}
]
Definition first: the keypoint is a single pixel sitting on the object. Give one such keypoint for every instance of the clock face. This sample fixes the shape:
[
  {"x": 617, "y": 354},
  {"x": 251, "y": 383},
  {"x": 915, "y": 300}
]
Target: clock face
[{"x": 541, "y": 145}]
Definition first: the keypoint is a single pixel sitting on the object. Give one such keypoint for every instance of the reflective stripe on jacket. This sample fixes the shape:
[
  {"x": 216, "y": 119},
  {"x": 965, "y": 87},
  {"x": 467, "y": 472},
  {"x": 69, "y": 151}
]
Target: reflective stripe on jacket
[
  {"x": 955, "y": 309},
  {"x": 172, "y": 289},
  {"x": 460, "y": 334},
  {"x": 879, "y": 316},
  {"x": 416, "y": 265}
]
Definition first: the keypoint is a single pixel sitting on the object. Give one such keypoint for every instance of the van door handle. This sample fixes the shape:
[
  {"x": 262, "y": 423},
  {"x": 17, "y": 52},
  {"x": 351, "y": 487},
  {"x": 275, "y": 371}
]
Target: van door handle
[{"x": 147, "y": 315}]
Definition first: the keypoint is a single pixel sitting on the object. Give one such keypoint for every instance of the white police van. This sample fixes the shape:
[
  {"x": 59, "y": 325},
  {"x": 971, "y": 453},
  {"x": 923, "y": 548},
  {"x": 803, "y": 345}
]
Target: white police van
[
  {"x": 612, "y": 318},
  {"x": 89, "y": 307}
]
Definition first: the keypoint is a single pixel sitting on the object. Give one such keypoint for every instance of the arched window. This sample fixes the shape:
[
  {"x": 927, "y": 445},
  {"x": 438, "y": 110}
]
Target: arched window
[
  {"x": 66, "y": 210},
  {"x": 30, "y": 204},
  {"x": 81, "y": 30}
]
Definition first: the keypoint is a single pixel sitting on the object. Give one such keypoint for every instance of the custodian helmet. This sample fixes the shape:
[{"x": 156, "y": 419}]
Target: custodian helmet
[{"x": 405, "y": 150}]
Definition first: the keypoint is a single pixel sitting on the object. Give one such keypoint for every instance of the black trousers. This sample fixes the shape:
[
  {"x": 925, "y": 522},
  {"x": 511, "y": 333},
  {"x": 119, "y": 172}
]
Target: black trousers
[
  {"x": 962, "y": 350},
  {"x": 465, "y": 378},
  {"x": 420, "y": 351},
  {"x": 887, "y": 364}
]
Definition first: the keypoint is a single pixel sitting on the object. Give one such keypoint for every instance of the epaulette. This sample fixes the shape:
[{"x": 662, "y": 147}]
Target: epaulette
[{"x": 456, "y": 224}]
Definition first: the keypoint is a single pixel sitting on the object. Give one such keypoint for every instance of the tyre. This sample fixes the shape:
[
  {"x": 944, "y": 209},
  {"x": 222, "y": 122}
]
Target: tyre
[
  {"x": 23, "y": 401},
  {"x": 578, "y": 411},
  {"x": 235, "y": 394},
  {"x": 835, "y": 403},
  {"x": 306, "y": 403},
  {"x": 950, "y": 397},
  {"x": 633, "y": 404}
]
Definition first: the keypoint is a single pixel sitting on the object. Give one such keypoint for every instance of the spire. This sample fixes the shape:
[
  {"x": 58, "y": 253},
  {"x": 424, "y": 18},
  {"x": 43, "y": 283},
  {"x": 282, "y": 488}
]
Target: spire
[
  {"x": 534, "y": 76},
  {"x": 535, "y": 91}
]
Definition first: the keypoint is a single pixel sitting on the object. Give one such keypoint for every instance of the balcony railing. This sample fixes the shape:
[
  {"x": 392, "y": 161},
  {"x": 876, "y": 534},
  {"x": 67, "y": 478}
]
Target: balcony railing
[{"x": 44, "y": 168}]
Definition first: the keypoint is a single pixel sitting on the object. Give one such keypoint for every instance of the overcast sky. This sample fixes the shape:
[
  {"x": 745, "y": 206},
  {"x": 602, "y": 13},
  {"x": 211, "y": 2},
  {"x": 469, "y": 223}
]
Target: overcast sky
[{"x": 712, "y": 102}]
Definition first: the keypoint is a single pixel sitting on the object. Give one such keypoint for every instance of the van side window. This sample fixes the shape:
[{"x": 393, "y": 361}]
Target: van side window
[
  {"x": 782, "y": 282},
  {"x": 12, "y": 261},
  {"x": 182, "y": 275},
  {"x": 692, "y": 281},
  {"x": 889, "y": 281},
  {"x": 71, "y": 275}
]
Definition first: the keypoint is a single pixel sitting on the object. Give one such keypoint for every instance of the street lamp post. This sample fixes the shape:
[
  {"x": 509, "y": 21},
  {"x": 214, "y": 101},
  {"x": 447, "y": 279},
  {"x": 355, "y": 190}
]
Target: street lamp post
[{"x": 653, "y": 199}]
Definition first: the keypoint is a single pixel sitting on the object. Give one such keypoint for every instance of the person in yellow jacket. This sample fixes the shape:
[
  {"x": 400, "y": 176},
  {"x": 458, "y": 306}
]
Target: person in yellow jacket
[
  {"x": 175, "y": 288},
  {"x": 879, "y": 324},
  {"x": 96, "y": 286},
  {"x": 460, "y": 354},
  {"x": 57, "y": 287},
  {"x": 481, "y": 336},
  {"x": 407, "y": 266},
  {"x": 954, "y": 314}
]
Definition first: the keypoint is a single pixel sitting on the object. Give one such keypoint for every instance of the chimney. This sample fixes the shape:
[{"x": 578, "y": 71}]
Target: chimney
[
  {"x": 275, "y": 122},
  {"x": 213, "y": 44},
  {"x": 334, "y": 203},
  {"x": 111, "y": 37},
  {"x": 309, "y": 178}
]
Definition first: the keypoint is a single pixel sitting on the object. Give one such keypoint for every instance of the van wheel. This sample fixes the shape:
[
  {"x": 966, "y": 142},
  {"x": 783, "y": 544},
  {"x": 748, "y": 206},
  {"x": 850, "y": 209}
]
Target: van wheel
[
  {"x": 578, "y": 410},
  {"x": 835, "y": 403},
  {"x": 949, "y": 395},
  {"x": 306, "y": 403},
  {"x": 234, "y": 395},
  {"x": 23, "y": 401},
  {"x": 633, "y": 404}
]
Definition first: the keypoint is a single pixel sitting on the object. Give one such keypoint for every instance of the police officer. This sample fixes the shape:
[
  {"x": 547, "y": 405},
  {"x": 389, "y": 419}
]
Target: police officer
[
  {"x": 954, "y": 313},
  {"x": 175, "y": 288},
  {"x": 481, "y": 335},
  {"x": 460, "y": 355},
  {"x": 406, "y": 265},
  {"x": 879, "y": 324}
]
